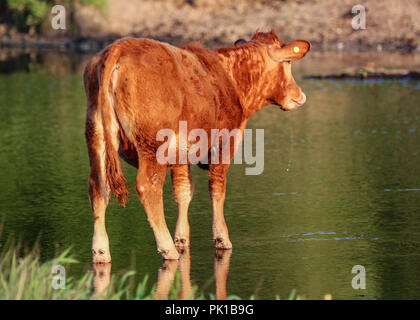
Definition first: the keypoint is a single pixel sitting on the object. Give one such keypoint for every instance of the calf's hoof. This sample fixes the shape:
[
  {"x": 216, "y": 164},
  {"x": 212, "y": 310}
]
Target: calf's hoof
[
  {"x": 222, "y": 243},
  {"x": 169, "y": 254},
  {"x": 100, "y": 256},
  {"x": 181, "y": 242}
]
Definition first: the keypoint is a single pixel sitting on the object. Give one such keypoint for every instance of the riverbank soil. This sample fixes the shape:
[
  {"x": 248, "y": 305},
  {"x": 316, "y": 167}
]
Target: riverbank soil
[{"x": 390, "y": 24}]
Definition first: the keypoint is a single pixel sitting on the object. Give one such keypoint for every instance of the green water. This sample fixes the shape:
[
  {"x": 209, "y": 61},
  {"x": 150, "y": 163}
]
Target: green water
[{"x": 340, "y": 187}]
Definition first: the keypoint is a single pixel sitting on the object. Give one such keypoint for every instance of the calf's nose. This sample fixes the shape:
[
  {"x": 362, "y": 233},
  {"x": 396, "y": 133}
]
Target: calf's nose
[{"x": 302, "y": 100}]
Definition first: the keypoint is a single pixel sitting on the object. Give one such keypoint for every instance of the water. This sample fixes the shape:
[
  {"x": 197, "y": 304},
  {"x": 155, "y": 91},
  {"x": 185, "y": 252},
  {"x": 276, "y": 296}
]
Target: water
[{"x": 340, "y": 187}]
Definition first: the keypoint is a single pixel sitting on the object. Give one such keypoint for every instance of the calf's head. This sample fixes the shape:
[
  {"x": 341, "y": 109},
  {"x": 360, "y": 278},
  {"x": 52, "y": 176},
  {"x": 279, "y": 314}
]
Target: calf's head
[{"x": 278, "y": 85}]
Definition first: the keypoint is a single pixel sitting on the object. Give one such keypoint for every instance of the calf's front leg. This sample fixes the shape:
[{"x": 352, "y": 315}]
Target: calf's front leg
[
  {"x": 217, "y": 190},
  {"x": 183, "y": 191}
]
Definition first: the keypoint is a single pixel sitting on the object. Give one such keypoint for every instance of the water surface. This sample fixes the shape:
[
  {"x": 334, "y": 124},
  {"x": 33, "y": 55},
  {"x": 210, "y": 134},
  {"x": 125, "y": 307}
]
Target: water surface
[{"x": 340, "y": 187}]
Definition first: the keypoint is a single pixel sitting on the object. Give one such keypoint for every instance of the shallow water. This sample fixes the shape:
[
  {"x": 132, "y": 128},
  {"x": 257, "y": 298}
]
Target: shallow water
[{"x": 340, "y": 187}]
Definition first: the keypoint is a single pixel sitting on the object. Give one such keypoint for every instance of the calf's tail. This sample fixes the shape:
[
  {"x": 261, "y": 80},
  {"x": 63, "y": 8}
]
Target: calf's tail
[{"x": 114, "y": 175}]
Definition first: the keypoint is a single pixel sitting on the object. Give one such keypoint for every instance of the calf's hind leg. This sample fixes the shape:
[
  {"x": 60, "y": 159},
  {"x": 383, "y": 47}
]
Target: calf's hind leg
[
  {"x": 98, "y": 191},
  {"x": 149, "y": 187},
  {"x": 183, "y": 191}
]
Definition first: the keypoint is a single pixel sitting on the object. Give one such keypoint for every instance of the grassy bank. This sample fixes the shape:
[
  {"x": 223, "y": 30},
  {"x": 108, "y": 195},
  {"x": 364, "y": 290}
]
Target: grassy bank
[{"x": 23, "y": 276}]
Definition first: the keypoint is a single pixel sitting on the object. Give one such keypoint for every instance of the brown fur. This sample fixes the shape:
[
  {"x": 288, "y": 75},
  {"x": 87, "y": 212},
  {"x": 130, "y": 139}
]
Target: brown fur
[{"x": 136, "y": 87}]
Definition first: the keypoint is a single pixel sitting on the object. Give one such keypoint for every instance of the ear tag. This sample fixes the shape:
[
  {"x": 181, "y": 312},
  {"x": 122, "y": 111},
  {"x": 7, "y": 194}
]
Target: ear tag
[{"x": 296, "y": 49}]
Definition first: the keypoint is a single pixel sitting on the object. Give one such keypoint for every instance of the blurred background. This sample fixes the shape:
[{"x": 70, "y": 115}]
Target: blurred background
[
  {"x": 341, "y": 182},
  {"x": 392, "y": 24},
  {"x": 26, "y": 32}
]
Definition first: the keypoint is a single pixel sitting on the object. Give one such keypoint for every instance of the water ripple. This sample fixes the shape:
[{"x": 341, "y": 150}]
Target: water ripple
[{"x": 303, "y": 236}]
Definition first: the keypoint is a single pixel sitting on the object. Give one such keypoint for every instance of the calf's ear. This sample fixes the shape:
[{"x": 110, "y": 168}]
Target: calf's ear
[
  {"x": 239, "y": 42},
  {"x": 295, "y": 50}
]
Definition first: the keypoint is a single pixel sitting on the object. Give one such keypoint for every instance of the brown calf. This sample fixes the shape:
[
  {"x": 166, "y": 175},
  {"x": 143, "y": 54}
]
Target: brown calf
[{"x": 135, "y": 87}]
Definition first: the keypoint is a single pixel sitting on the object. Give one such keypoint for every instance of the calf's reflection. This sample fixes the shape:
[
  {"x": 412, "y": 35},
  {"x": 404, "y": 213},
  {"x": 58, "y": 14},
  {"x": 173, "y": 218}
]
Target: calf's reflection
[{"x": 166, "y": 276}]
